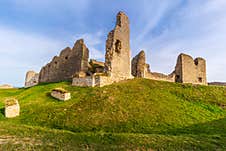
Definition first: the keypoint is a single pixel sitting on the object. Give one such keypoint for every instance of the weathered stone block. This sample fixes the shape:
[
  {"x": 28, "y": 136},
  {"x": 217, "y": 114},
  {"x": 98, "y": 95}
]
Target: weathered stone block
[
  {"x": 12, "y": 108},
  {"x": 61, "y": 94}
]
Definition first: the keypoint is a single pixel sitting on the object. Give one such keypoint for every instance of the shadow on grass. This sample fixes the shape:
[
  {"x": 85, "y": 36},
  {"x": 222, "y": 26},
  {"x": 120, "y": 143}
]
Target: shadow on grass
[
  {"x": 2, "y": 111},
  {"x": 52, "y": 98},
  {"x": 217, "y": 127}
]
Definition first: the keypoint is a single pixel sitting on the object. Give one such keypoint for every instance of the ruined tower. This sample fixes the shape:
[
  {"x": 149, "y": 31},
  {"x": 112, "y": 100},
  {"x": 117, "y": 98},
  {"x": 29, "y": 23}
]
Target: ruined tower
[
  {"x": 139, "y": 66},
  {"x": 67, "y": 64},
  {"x": 32, "y": 79},
  {"x": 142, "y": 70},
  {"x": 117, "y": 57},
  {"x": 189, "y": 70}
]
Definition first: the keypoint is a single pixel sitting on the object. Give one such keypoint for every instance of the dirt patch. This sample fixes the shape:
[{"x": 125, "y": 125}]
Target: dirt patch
[{"x": 5, "y": 139}]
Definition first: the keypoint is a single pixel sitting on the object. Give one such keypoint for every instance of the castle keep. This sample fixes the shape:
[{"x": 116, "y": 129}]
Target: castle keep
[{"x": 73, "y": 64}]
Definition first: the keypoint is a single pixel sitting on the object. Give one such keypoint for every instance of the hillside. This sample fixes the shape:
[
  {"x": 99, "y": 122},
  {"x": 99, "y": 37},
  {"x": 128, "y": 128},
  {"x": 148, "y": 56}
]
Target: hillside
[{"x": 134, "y": 114}]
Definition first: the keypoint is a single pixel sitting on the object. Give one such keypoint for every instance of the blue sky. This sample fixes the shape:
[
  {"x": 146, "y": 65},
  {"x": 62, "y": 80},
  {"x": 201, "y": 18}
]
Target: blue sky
[{"x": 33, "y": 31}]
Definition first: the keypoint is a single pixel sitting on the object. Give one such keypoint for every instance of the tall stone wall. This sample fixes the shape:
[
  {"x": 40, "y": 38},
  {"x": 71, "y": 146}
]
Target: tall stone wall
[
  {"x": 189, "y": 70},
  {"x": 117, "y": 57},
  {"x": 67, "y": 64}
]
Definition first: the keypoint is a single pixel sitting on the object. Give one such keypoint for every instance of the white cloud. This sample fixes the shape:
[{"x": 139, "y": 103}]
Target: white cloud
[
  {"x": 24, "y": 51},
  {"x": 199, "y": 30}
]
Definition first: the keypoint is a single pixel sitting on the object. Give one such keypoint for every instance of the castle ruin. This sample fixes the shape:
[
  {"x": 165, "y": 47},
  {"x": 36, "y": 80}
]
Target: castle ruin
[
  {"x": 32, "y": 79},
  {"x": 187, "y": 70},
  {"x": 74, "y": 65}
]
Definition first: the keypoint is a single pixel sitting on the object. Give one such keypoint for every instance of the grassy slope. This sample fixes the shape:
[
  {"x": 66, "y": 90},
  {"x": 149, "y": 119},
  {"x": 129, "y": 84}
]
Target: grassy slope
[{"x": 137, "y": 113}]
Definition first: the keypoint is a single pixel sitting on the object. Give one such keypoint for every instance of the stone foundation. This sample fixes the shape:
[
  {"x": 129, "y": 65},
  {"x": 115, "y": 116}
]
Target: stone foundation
[
  {"x": 96, "y": 81},
  {"x": 88, "y": 81}
]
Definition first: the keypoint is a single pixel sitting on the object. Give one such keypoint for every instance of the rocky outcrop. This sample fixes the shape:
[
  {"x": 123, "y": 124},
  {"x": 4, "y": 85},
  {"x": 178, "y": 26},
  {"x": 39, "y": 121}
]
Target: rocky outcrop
[{"x": 67, "y": 64}]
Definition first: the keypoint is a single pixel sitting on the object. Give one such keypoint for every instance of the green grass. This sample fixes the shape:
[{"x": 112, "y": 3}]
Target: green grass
[{"x": 136, "y": 114}]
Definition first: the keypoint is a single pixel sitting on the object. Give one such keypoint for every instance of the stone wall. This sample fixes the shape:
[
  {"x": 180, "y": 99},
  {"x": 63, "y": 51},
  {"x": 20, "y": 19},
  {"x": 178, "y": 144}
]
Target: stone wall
[
  {"x": 117, "y": 57},
  {"x": 139, "y": 67},
  {"x": 88, "y": 81},
  {"x": 189, "y": 70},
  {"x": 67, "y": 64},
  {"x": 142, "y": 70},
  {"x": 32, "y": 79}
]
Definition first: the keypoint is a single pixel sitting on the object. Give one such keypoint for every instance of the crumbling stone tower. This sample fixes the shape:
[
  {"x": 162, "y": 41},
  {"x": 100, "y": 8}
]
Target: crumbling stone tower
[
  {"x": 139, "y": 66},
  {"x": 32, "y": 79},
  {"x": 117, "y": 57},
  {"x": 64, "y": 67},
  {"x": 188, "y": 70}
]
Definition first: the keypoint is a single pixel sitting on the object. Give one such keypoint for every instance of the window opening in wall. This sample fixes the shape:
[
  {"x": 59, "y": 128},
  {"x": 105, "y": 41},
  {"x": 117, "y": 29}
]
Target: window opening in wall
[
  {"x": 118, "y": 46},
  {"x": 66, "y": 57},
  {"x": 177, "y": 78},
  {"x": 200, "y": 79}
]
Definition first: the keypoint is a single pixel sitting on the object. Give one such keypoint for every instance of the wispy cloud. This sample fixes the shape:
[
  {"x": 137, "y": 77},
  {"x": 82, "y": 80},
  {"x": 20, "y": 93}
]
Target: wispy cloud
[
  {"x": 33, "y": 32},
  {"x": 23, "y": 51},
  {"x": 93, "y": 42},
  {"x": 197, "y": 29}
]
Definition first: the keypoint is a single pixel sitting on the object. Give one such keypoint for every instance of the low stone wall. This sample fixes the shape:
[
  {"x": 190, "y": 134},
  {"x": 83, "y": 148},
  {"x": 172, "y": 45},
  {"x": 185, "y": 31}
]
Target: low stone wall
[
  {"x": 101, "y": 81},
  {"x": 97, "y": 80},
  {"x": 12, "y": 108},
  {"x": 162, "y": 77},
  {"x": 84, "y": 82}
]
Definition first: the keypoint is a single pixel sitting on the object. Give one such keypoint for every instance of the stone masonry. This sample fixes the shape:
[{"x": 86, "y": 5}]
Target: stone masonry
[
  {"x": 65, "y": 66},
  {"x": 189, "y": 70},
  {"x": 142, "y": 70},
  {"x": 32, "y": 79},
  {"x": 139, "y": 66},
  {"x": 73, "y": 64},
  {"x": 117, "y": 57},
  {"x": 117, "y": 64},
  {"x": 61, "y": 94}
]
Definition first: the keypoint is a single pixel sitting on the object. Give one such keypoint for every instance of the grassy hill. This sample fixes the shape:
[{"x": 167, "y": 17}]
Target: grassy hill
[{"x": 135, "y": 114}]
